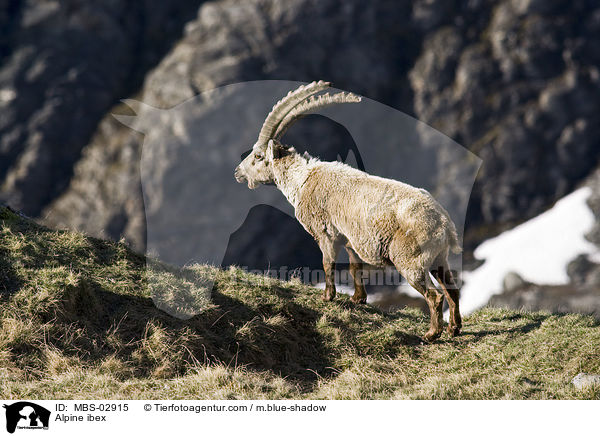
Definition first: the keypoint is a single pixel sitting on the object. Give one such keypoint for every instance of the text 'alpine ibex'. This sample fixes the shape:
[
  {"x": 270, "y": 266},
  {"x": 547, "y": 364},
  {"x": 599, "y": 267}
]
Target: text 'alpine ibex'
[{"x": 342, "y": 206}]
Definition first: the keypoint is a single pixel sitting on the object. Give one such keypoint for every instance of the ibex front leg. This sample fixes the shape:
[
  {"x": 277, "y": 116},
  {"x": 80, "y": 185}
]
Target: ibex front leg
[
  {"x": 330, "y": 250},
  {"x": 360, "y": 295}
]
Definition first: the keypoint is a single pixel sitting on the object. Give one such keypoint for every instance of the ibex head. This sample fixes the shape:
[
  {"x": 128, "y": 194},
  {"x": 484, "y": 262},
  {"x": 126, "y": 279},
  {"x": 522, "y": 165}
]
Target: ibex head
[{"x": 257, "y": 167}]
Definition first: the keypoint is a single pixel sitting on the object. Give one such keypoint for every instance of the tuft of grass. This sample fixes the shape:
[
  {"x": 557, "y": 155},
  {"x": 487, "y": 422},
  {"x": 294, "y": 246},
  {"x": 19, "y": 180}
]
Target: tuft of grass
[{"x": 86, "y": 318}]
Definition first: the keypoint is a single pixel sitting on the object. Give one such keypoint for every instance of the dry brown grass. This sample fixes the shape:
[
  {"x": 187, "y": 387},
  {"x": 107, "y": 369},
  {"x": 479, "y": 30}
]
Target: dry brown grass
[{"x": 77, "y": 321}]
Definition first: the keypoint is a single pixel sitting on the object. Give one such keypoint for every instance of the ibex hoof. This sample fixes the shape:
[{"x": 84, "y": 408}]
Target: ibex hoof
[
  {"x": 431, "y": 336},
  {"x": 453, "y": 330},
  {"x": 328, "y": 296},
  {"x": 359, "y": 300}
]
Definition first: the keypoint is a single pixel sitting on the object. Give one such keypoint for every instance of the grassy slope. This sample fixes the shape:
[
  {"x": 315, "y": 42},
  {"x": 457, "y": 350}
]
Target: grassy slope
[{"x": 76, "y": 321}]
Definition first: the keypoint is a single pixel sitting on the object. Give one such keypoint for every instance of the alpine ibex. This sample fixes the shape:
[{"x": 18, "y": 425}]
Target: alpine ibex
[{"x": 379, "y": 221}]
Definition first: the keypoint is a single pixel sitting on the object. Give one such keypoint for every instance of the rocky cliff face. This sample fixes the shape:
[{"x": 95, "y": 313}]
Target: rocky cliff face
[
  {"x": 554, "y": 299},
  {"x": 353, "y": 46},
  {"x": 516, "y": 82},
  {"x": 63, "y": 64}
]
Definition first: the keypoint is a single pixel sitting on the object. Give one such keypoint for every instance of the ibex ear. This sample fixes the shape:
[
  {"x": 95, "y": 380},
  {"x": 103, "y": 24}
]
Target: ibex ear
[{"x": 274, "y": 150}]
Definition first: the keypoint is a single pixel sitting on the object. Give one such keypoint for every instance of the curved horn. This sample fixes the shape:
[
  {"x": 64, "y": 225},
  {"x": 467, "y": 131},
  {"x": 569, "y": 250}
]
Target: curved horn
[
  {"x": 313, "y": 104},
  {"x": 283, "y": 106}
]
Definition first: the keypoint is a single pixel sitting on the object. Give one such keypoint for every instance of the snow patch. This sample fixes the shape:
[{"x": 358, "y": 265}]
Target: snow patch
[{"x": 539, "y": 250}]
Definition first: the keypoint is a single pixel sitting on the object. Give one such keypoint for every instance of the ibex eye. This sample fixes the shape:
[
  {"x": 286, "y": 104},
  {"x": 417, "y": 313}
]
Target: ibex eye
[{"x": 258, "y": 156}]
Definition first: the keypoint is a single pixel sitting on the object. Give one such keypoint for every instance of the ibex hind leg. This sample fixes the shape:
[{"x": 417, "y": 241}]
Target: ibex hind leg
[
  {"x": 356, "y": 269},
  {"x": 419, "y": 279},
  {"x": 413, "y": 263},
  {"x": 446, "y": 280}
]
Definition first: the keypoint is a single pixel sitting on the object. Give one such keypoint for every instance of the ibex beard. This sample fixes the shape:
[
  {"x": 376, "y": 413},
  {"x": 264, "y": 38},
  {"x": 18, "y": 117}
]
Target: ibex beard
[{"x": 378, "y": 221}]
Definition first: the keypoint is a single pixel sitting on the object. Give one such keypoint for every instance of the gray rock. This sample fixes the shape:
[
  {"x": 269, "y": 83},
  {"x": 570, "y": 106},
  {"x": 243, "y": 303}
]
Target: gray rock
[
  {"x": 512, "y": 281},
  {"x": 231, "y": 42},
  {"x": 515, "y": 82},
  {"x": 63, "y": 64},
  {"x": 511, "y": 88},
  {"x": 555, "y": 299},
  {"x": 582, "y": 271},
  {"x": 594, "y": 203},
  {"x": 583, "y": 380}
]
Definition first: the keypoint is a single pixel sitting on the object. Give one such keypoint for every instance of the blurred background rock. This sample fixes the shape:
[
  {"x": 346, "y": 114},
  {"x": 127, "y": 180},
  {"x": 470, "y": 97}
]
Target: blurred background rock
[{"x": 517, "y": 82}]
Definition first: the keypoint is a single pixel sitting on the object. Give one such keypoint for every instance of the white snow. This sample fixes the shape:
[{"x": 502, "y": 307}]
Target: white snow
[{"x": 539, "y": 250}]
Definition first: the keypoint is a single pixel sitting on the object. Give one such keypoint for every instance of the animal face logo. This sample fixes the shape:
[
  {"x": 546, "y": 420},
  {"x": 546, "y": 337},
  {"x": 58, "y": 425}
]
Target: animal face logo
[
  {"x": 26, "y": 415},
  {"x": 198, "y": 213}
]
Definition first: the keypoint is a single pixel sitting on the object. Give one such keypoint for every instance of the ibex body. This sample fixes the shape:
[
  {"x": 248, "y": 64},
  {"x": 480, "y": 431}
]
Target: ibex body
[{"x": 379, "y": 221}]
